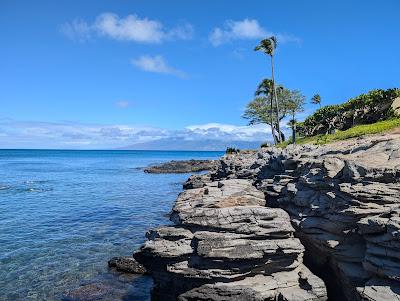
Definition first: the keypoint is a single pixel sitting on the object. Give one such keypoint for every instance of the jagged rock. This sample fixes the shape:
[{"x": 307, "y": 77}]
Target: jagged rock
[
  {"x": 343, "y": 200},
  {"x": 182, "y": 166},
  {"x": 231, "y": 240},
  {"x": 223, "y": 233},
  {"x": 197, "y": 181},
  {"x": 127, "y": 265}
]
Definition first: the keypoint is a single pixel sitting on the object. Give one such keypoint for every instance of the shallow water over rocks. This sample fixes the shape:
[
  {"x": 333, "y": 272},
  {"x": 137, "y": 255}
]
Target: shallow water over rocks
[{"x": 63, "y": 214}]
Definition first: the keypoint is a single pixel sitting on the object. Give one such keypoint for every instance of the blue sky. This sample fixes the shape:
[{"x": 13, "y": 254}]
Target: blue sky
[{"x": 105, "y": 74}]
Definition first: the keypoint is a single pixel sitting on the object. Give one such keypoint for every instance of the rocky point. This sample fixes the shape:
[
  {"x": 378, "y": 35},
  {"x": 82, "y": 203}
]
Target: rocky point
[{"x": 301, "y": 223}]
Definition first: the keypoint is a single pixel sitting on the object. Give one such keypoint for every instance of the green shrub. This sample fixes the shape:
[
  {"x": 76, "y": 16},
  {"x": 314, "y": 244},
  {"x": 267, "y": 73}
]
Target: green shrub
[
  {"x": 363, "y": 109},
  {"x": 353, "y": 132},
  {"x": 232, "y": 150}
]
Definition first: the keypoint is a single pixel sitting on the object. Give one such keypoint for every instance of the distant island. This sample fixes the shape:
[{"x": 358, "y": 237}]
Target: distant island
[{"x": 179, "y": 144}]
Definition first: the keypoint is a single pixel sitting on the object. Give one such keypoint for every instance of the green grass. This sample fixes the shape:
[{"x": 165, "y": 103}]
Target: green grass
[{"x": 353, "y": 132}]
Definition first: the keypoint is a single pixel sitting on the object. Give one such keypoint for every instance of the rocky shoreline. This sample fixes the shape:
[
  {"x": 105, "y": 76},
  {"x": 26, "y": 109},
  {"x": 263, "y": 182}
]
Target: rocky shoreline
[
  {"x": 301, "y": 223},
  {"x": 242, "y": 230}
]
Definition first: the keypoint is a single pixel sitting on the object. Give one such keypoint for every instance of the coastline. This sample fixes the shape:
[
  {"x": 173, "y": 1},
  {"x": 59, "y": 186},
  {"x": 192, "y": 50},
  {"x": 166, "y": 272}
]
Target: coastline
[
  {"x": 66, "y": 213},
  {"x": 251, "y": 221}
]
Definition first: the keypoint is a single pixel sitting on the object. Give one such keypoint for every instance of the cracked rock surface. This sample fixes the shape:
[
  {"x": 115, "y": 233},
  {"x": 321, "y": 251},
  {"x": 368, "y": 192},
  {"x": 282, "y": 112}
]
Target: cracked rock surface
[
  {"x": 242, "y": 230},
  {"x": 226, "y": 245}
]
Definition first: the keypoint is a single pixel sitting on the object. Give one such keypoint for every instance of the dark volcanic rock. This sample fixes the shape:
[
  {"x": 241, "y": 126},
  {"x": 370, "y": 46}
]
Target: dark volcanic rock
[
  {"x": 226, "y": 245},
  {"x": 344, "y": 203},
  {"x": 183, "y": 166},
  {"x": 241, "y": 231},
  {"x": 126, "y": 265},
  {"x": 88, "y": 292}
]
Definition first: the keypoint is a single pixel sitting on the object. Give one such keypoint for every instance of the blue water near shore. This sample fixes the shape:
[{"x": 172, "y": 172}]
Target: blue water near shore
[{"x": 63, "y": 214}]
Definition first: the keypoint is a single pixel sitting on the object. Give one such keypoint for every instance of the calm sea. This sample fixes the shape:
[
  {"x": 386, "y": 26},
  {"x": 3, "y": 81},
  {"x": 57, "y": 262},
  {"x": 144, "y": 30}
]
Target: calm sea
[{"x": 63, "y": 214}]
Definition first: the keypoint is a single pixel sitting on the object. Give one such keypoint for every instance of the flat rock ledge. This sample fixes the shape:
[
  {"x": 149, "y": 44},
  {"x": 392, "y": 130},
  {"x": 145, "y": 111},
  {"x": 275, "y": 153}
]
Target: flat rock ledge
[
  {"x": 225, "y": 244},
  {"x": 182, "y": 166}
]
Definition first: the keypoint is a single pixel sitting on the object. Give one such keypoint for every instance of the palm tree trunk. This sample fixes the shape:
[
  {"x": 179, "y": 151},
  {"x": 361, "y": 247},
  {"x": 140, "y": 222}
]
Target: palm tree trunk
[
  {"x": 272, "y": 119},
  {"x": 293, "y": 130},
  {"x": 276, "y": 101}
]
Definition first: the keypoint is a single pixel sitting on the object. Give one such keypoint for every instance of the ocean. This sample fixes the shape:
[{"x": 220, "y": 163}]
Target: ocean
[{"x": 64, "y": 213}]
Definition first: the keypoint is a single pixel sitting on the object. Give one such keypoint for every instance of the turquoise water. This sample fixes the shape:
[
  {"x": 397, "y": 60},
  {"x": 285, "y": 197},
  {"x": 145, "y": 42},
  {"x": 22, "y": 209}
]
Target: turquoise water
[{"x": 63, "y": 214}]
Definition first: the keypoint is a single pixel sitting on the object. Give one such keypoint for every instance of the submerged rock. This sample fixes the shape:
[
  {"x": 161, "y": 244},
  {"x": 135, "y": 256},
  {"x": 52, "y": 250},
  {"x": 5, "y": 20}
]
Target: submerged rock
[{"x": 88, "y": 292}]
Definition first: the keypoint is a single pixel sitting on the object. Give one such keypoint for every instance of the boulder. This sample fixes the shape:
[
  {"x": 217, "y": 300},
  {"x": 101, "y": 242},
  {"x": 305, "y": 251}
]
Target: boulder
[{"x": 127, "y": 265}]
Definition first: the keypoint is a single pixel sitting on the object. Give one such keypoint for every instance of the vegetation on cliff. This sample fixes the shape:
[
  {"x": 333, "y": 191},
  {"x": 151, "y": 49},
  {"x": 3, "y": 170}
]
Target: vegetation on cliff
[
  {"x": 356, "y": 131},
  {"x": 366, "y": 108},
  {"x": 273, "y": 103}
]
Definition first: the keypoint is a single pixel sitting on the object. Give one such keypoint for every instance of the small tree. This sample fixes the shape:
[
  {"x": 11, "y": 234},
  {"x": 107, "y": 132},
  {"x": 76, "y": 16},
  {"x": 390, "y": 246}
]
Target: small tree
[
  {"x": 259, "y": 110},
  {"x": 316, "y": 99}
]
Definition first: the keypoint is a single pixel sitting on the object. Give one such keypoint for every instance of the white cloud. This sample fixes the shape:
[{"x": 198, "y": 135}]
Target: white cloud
[
  {"x": 229, "y": 132},
  {"x": 156, "y": 64},
  {"x": 129, "y": 28},
  {"x": 246, "y": 29},
  {"x": 29, "y": 134},
  {"x": 122, "y": 104}
]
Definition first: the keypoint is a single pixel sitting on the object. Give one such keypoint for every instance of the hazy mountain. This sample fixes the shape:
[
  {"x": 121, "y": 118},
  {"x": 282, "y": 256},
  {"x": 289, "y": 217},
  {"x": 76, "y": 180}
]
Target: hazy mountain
[{"x": 200, "y": 145}]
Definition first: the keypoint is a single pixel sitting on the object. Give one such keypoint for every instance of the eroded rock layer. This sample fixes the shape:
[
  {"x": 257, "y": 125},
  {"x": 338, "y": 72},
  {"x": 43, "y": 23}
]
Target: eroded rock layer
[
  {"x": 343, "y": 200},
  {"x": 241, "y": 231},
  {"x": 226, "y": 245}
]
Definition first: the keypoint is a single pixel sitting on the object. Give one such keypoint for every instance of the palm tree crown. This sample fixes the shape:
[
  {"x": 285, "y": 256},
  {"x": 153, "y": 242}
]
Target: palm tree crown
[
  {"x": 266, "y": 87},
  {"x": 316, "y": 99},
  {"x": 267, "y": 46}
]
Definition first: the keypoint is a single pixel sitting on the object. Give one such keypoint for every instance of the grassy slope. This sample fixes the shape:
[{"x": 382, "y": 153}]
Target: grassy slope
[{"x": 353, "y": 132}]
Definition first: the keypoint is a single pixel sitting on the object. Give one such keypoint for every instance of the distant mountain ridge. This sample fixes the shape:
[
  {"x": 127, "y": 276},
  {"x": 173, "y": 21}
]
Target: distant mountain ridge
[{"x": 194, "y": 145}]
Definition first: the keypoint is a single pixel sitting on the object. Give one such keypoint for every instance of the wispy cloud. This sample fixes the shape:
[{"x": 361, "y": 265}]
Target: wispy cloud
[
  {"x": 130, "y": 28},
  {"x": 246, "y": 29},
  {"x": 77, "y": 30},
  {"x": 156, "y": 64},
  {"x": 30, "y": 134},
  {"x": 123, "y": 104}
]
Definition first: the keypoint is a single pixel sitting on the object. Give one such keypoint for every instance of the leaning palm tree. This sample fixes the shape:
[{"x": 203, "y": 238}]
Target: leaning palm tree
[
  {"x": 316, "y": 99},
  {"x": 268, "y": 47}
]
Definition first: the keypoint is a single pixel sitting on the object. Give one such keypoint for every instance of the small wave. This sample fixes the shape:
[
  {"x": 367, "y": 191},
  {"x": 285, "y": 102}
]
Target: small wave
[
  {"x": 31, "y": 189},
  {"x": 36, "y": 181},
  {"x": 4, "y": 187}
]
